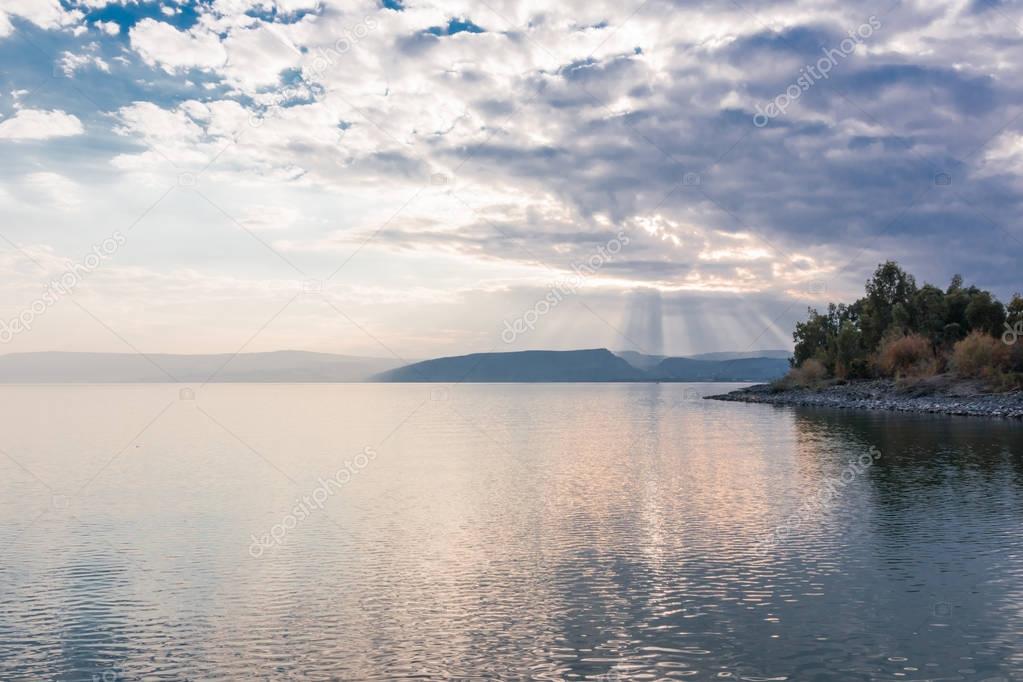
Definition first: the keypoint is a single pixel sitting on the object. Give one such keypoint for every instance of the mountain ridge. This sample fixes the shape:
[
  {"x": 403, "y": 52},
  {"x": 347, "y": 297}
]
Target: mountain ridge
[
  {"x": 269, "y": 367},
  {"x": 592, "y": 365},
  {"x": 595, "y": 365}
]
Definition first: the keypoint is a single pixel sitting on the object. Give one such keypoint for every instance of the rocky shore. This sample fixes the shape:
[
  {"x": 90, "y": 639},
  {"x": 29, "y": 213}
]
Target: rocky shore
[{"x": 938, "y": 395}]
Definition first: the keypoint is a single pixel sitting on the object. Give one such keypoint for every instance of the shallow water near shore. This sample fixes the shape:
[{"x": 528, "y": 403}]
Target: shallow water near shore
[{"x": 540, "y": 531}]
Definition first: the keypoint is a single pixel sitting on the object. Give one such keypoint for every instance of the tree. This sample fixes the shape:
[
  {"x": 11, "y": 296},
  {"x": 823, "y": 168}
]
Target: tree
[
  {"x": 956, "y": 284},
  {"x": 930, "y": 311},
  {"x": 957, "y": 298},
  {"x": 1014, "y": 311},
  {"x": 890, "y": 286},
  {"x": 850, "y": 340},
  {"x": 985, "y": 313},
  {"x": 849, "y": 352},
  {"x": 811, "y": 337}
]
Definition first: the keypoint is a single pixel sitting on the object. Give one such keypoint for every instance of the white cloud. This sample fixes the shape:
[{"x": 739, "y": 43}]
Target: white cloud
[
  {"x": 260, "y": 217},
  {"x": 45, "y": 188},
  {"x": 38, "y": 124},
  {"x": 48, "y": 14},
  {"x": 111, "y": 28},
  {"x": 257, "y": 56},
  {"x": 5, "y": 25},
  {"x": 162, "y": 45},
  {"x": 70, "y": 63}
]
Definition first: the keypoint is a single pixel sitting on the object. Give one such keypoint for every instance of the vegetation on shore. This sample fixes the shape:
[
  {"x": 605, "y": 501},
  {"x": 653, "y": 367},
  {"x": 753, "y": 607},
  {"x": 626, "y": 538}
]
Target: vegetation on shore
[{"x": 909, "y": 333}]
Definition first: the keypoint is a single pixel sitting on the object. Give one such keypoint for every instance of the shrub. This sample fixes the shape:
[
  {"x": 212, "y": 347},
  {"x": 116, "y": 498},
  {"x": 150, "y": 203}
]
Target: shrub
[
  {"x": 858, "y": 369},
  {"x": 906, "y": 356},
  {"x": 808, "y": 374},
  {"x": 979, "y": 355}
]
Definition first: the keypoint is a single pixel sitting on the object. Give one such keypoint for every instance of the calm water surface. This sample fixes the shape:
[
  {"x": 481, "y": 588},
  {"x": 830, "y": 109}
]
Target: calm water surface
[{"x": 545, "y": 532}]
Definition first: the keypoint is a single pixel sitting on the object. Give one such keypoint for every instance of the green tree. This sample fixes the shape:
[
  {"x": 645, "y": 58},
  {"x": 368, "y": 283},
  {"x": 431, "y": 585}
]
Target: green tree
[
  {"x": 1014, "y": 311},
  {"x": 847, "y": 339},
  {"x": 848, "y": 352},
  {"x": 811, "y": 337},
  {"x": 957, "y": 298},
  {"x": 985, "y": 313},
  {"x": 890, "y": 286},
  {"x": 930, "y": 311}
]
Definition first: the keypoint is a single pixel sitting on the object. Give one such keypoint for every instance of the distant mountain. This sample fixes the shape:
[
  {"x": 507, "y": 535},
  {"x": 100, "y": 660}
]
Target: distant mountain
[
  {"x": 640, "y": 361},
  {"x": 725, "y": 355},
  {"x": 279, "y": 366},
  {"x": 743, "y": 369},
  {"x": 599, "y": 365},
  {"x": 524, "y": 366},
  {"x": 647, "y": 363}
]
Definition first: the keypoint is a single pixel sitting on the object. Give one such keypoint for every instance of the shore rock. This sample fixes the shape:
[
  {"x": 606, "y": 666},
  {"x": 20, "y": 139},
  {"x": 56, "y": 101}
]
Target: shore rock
[{"x": 938, "y": 395}]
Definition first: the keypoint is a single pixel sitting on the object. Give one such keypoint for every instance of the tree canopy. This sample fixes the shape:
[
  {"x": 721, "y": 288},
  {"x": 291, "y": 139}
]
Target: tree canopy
[{"x": 846, "y": 338}]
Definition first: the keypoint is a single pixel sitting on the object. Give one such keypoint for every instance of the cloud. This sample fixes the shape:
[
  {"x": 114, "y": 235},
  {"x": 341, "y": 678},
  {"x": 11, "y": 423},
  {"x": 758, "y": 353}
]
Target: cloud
[
  {"x": 47, "y": 14},
  {"x": 160, "y": 44},
  {"x": 37, "y": 124},
  {"x": 111, "y": 28},
  {"x": 260, "y": 217},
  {"x": 70, "y": 63},
  {"x": 46, "y": 188},
  {"x": 462, "y": 139}
]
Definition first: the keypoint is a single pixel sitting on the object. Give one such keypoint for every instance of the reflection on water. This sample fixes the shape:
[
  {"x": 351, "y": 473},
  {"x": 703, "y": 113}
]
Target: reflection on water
[{"x": 501, "y": 532}]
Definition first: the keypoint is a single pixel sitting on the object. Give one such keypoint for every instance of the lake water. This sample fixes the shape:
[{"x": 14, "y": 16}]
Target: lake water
[{"x": 611, "y": 532}]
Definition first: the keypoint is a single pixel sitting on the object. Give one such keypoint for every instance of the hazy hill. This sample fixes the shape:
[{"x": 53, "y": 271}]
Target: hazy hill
[
  {"x": 744, "y": 369},
  {"x": 583, "y": 365},
  {"x": 647, "y": 363},
  {"x": 727, "y": 355},
  {"x": 640, "y": 361},
  {"x": 279, "y": 366},
  {"x": 524, "y": 366},
  {"x": 598, "y": 365}
]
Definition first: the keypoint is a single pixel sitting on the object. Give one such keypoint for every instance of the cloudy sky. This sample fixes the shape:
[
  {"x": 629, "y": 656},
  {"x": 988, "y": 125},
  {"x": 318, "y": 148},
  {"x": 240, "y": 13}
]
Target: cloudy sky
[{"x": 417, "y": 177}]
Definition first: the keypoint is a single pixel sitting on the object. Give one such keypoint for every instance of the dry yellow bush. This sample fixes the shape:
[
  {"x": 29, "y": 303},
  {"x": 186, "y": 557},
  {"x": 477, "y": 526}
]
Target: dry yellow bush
[
  {"x": 906, "y": 356},
  {"x": 979, "y": 355}
]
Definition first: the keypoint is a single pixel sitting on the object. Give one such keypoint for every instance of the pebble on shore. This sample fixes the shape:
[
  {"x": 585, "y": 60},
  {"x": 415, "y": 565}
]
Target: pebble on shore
[{"x": 884, "y": 395}]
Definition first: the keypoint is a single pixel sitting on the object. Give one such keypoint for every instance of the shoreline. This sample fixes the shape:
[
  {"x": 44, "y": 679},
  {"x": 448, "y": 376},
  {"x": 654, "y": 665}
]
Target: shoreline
[{"x": 934, "y": 397}]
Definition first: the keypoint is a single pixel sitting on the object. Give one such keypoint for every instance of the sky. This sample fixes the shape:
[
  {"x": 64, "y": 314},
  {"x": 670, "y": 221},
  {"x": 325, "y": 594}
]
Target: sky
[{"x": 434, "y": 178}]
